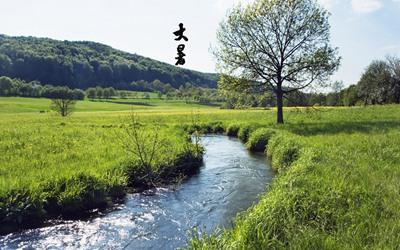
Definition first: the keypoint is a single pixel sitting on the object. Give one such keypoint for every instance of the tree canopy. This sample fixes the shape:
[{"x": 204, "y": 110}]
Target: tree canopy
[{"x": 276, "y": 45}]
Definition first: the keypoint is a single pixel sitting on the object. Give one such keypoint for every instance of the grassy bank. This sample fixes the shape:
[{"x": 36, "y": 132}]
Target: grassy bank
[
  {"x": 52, "y": 166},
  {"x": 337, "y": 183},
  {"x": 336, "y": 188}
]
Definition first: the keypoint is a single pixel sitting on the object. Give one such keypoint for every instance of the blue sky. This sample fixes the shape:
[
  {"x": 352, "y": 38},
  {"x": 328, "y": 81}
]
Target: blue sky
[{"x": 362, "y": 29}]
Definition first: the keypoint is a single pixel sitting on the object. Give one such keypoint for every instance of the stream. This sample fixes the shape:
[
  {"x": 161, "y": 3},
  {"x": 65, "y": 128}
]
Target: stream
[{"x": 230, "y": 180}]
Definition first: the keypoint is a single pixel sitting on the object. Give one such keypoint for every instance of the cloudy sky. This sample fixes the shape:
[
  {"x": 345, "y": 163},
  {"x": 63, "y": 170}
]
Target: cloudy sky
[{"x": 362, "y": 29}]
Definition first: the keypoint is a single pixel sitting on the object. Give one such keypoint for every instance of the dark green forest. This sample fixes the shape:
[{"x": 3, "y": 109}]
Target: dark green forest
[{"x": 84, "y": 64}]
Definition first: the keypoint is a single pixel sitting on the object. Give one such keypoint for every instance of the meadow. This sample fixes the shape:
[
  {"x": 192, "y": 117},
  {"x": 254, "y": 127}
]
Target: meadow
[{"x": 337, "y": 168}]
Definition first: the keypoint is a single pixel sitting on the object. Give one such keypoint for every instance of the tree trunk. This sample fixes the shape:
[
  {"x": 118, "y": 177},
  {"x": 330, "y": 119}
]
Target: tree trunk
[{"x": 279, "y": 106}]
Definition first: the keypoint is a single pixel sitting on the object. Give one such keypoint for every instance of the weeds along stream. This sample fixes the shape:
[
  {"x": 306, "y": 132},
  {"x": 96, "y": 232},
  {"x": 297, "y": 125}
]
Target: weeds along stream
[{"x": 230, "y": 180}]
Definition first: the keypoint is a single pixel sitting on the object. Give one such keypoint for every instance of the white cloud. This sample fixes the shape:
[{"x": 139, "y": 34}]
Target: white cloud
[{"x": 366, "y": 6}]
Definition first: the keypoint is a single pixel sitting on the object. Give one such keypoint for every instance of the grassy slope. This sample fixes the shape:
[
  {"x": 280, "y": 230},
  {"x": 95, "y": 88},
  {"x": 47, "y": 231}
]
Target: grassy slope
[{"x": 338, "y": 178}]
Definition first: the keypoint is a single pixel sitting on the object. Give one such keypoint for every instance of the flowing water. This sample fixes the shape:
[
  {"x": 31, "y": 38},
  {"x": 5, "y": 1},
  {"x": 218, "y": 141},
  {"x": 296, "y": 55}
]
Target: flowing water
[{"x": 229, "y": 182}]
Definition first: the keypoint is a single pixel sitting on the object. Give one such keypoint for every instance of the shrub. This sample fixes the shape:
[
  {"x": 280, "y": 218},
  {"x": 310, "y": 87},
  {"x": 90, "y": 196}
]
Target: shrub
[
  {"x": 217, "y": 127},
  {"x": 283, "y": 149},
  {"x": 258, "y": 139},
  {"x": 232, "y": 129},
  {"x": 245, "y": 131}
]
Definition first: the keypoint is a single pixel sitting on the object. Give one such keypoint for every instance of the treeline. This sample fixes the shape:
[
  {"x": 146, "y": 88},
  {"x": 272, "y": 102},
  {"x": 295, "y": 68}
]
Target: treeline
[
  {"x": 88, "y": 64},
  {"x": 346, "y": 97},
  {"x": 18, "y": 87},
  {"x": 188, "y": 92},
  {"x": 379, "y": 84}
]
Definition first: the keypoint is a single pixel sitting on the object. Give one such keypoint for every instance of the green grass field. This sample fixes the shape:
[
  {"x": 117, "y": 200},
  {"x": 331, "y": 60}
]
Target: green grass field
[
  {"x": 337, "y": 185},
  {"x": 14, "y": 105}
]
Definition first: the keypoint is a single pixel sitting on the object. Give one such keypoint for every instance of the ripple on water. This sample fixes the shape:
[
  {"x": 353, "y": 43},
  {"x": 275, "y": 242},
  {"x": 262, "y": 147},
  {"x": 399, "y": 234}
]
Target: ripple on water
[{"x": 229, "y": 182}]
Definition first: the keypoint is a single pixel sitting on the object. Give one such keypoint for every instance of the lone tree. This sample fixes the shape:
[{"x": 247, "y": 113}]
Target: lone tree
[
  {"x": 62, "y": 100},
  {"x": 275, "y": 45}
]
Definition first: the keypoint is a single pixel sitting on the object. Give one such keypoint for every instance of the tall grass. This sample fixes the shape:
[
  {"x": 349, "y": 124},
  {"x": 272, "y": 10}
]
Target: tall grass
[
  {"x": 337, "y": 185},
  {"x": 54, "y": 166},
  {"x": 336, "y": 188}
]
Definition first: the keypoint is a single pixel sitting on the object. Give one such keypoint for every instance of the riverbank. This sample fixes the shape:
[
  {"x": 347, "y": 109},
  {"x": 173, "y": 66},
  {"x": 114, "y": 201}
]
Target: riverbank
[
  {"x": 336, "y": 188},
  {"x": 61, "y": 168},
  {"x": 229, "y": 181}
]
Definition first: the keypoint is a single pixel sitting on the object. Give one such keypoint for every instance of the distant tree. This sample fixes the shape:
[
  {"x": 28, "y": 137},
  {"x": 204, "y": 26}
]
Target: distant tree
[
  {"x": 276, "y": 45},
  {"x": 168, "y": 88},
  {"x": 78, "y": 94},
  {"x": 91, "y": 93},
  {"x": 375, "y": 85},
  {"x": 333, "y": 99},
  {"x": 159, "y": 95},
  {"x": 142, "y": 85},
  {"x": 122, "y": 94},
  {"x": 106, "y": 93},
  {"x": 157, "y": 85},
  {"x": 146, "y": 95},
  {"x": 394, "y": 68},
  {"x": 25, "y": 90},
  {"x": 112, "y": 91},
  {"x": 99, "y": 92},
  {"x": 62, "y": 101},
  {"x": 350, "y": 96},
  {"x": 169, "y": 96},
  {"x": 6, "y": 86}
]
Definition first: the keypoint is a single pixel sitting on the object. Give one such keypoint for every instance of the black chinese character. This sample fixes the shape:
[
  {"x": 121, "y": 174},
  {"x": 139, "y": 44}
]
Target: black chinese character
[
  {"x": 179, "y": 33},
  {"x": 179, "y": 58}
]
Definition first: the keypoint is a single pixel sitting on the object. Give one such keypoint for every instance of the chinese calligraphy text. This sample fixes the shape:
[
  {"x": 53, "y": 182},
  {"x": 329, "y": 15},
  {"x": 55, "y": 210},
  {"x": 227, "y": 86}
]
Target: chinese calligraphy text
[{"x": 180, "y": 60}]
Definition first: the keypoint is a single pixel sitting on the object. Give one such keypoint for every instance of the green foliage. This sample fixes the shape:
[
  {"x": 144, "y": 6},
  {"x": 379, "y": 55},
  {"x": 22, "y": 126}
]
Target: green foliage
[
  {"x": 380, "y": 83},
  {"x": 275, "y": 46},
  {"x": 259, "y": 139},
  {"x": 17, "y": 87},
  {"x": 232, "y": 129},
  {"x": 336, "y": 188},
  {"x": 245, "y": 130},
  {"x": 55, "y": 166},
  {"x": 283, "y": 149},
  {"x": 87, "y": 64}
]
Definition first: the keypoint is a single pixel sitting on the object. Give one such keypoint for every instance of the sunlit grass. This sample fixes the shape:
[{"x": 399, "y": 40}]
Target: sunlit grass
[{"x": 338, "y": 168}]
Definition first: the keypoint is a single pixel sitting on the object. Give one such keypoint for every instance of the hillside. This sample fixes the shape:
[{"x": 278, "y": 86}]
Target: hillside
[{"x": 85, "y": 64}]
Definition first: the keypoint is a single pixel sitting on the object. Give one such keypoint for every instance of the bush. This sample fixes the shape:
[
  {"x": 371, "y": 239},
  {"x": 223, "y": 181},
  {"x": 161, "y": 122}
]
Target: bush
[
  {"x": 204, "y": 128},
  {"x": 232, "y": 129},
  {"x": 217, "y": 127},
  {"x": 258, "y": 140},
  {"x": 283, "y": 149},
  {"x": 245, "y": 130}
]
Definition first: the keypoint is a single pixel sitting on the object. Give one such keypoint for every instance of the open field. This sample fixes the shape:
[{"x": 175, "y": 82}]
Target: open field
[
  {"x": 338, "y": 168},
  {"x": 13, "y": 105}
]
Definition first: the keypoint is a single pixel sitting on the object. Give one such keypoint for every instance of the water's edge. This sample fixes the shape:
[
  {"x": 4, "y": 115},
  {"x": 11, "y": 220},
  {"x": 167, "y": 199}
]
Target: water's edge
[{"x": 229, "y": 182}]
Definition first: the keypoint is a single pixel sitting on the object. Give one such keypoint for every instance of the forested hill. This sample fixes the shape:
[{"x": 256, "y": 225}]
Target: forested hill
[{"x": 86, "y": 64}]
